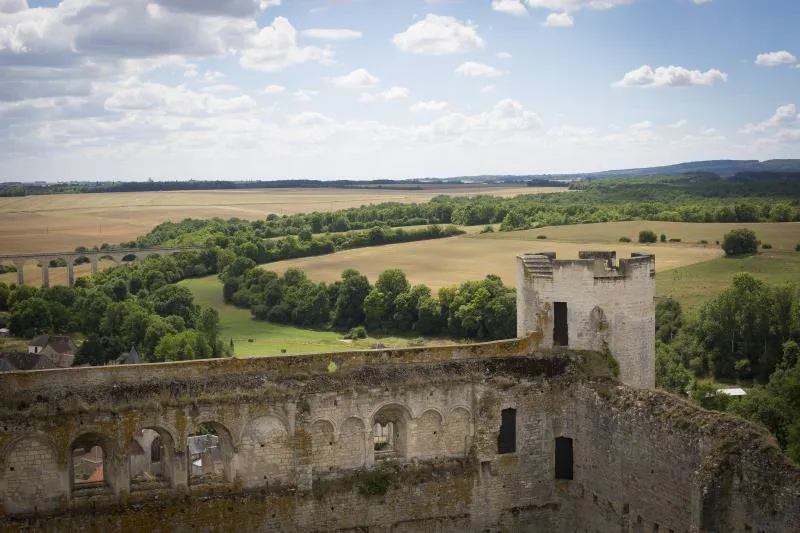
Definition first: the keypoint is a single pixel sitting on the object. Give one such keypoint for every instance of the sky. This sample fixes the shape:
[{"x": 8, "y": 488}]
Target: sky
[{"x": 366, "y": 89}]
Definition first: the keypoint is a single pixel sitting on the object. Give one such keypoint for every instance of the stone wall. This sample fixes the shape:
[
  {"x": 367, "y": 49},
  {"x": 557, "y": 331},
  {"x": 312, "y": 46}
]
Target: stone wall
[
  {"x": 609, "y": 306},
  {"x": 298, "y": 448}
]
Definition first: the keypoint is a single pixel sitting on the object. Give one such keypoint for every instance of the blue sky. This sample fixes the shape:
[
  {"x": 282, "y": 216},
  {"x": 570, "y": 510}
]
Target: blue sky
[{"x": 132, "y": 89}]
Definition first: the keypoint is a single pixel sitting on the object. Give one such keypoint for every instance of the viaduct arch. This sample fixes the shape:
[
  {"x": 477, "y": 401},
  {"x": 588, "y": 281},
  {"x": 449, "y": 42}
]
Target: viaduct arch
[{"x": 118, "y": 255}]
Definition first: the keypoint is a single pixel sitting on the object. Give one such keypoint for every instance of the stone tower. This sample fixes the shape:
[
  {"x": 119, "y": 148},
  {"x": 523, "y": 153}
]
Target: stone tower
[{"x": 592, "y": 303}]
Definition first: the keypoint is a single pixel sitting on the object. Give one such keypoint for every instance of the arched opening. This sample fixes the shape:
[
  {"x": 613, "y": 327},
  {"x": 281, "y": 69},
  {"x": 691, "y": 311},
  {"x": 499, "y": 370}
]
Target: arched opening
[
  {"x": 150, "y": 459},
  {"x": 81, "y": 260},
  {"x": 31, "y": 486},
  {"x": 209, "y": 451},
  {"x": 390, "y": 432},
  {"x": 323, "y": 447},
  {"x": 128, "y": 258},
  {"x": 92, "y": 471}
]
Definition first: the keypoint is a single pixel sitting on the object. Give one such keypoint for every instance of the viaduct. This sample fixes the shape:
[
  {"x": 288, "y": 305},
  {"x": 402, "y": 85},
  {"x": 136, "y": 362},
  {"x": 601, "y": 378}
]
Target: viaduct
[
  {"x": 532, "y": 434},
  {"x": 118, "y": 255}
]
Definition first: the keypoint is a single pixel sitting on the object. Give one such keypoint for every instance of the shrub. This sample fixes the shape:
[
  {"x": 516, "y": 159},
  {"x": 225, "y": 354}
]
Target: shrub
[
  {"x": 624, "y": 239},
  {"x": 541, "y": 236},
  {"x": 703, "y": 241},
  {"x": 647, "y": 236},
  {"x": 797, "y": 248},
  {"x": 358, "y": 332},
  {"x": 740, "y": 241},
  {"x": 488, "y": 229},
  {"x": 674, "y": 240},
  {"x": 375, "y": 483},
  {"x": 663, "y": 238},
  {"x": 766, "y": 246}
]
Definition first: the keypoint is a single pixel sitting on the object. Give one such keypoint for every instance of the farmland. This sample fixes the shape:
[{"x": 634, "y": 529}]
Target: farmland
[
  {"x": 450, "y": 261},
  {"x": 62, "y": 222}
]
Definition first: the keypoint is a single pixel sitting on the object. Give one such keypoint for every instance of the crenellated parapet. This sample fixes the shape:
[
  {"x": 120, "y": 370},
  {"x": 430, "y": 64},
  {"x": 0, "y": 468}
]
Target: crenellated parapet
[{"x": 594, "y": 302}]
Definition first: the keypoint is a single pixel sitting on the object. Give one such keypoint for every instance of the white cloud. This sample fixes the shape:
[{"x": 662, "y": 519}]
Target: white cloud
[
  {"x": 643, "y": 125},
  {"x": 368, "y": 98},
  {"x": 698, "y": 2},
  {"x": 332, "y": 34},
  {"x": 429, "y": 106},
  {"x": 772, "y": 59},
  {"x": 671, "y": 76},
  {"x": 275, "y": 48},
  {"x": 304, "y": 95},
  {"x": 157, "y": 99},
  {"x": 395, "y": 93},
  {"x": 576, "y": 5},
  {"x": 488, "y": 88},
  {"x": 784, "y": 115},
  {"x": 309, "y": 118},
  {"x": 357, "y": 79},
  {"x": 228, "y": 8},
  {"x": 680, "y": 124},
  {"x": 439, "y": 35},
  {"x": 12, "y": 6},
  {"x": 220, "y": 88},
  {"x": 506, "y": 115},
  {"x": 274, "y": 89},
  {"x": 472, "y": 69},
  {"x": 510, "y": 7},
  {"x": 559, "y": 20},
  {"x": 212, "y": 76},
  {"x": 503, "y": 55}
]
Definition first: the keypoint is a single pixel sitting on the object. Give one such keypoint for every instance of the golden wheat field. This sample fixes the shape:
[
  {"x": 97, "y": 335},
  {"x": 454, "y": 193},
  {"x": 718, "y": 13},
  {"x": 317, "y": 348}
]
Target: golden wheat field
[
  {"x": 62, "y": 222},
  {"x": 445, "y": 262}
]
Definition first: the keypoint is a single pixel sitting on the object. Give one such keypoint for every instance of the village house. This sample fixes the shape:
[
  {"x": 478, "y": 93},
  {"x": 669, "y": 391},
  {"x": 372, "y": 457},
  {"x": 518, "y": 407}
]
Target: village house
[{"x": 59, "y": 348}]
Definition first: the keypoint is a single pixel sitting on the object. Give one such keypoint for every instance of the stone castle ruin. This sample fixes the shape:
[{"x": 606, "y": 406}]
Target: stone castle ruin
[{"x": 531, "y": 434}]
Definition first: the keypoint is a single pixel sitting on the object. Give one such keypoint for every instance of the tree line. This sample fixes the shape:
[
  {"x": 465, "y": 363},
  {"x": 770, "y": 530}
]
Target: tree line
[
  {"x": 482, "y": 310},
  {"x": 770, "y": 198},
  {"x": 749, "y": 333}
]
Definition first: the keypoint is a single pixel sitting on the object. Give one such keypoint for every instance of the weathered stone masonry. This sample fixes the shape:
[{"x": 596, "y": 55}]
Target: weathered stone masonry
[
  {"x": 507, "y": 436},
  {"x": 299, "y": 455}
]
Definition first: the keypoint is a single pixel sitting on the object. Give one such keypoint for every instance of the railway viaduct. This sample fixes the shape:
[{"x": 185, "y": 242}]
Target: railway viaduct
[{"x": 118, "y": 255}]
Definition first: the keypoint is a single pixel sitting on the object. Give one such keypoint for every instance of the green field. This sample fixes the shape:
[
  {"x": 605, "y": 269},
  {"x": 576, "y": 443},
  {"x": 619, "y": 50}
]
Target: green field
[
  {"x": 270, "y": 339},
  {"x": 693, "y": 284}
]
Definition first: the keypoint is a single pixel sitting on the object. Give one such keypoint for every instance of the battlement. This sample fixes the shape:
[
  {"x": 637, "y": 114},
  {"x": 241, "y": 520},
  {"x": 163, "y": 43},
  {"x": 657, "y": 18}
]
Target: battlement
[
  {"x": 602, "y": 264},
  {"x": 594, "y": 302}
]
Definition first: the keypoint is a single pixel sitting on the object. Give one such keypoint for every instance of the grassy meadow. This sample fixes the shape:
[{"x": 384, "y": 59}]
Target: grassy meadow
[
  {"x": 270, "y": 339},
  {"x": 63, "y": 222}
]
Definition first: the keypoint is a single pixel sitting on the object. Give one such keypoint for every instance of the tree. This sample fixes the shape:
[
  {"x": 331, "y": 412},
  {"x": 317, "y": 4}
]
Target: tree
[
  {"x": 663, "y": 238},
  {"x": 208, "y": 324},
  {"x": 183, "y": 346},
  {"x": 671, "y": 375},
  {"x": 175, "y": 300},
  {"x": 376, "y": 309},
  {"x": 669, "y": 319},
  {"x": 4, "y": 293},
  {"x": 392, "y": 282},
  {"x": 348, "y": 308},
  {"x": 739, "y": 242},
  {"x": 647, "y": 236},
  {"x": 31, "y": 317}
]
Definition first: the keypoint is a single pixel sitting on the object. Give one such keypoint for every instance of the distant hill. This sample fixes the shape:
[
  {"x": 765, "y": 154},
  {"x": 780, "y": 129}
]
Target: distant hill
[{"x": 721, "y": 167}]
